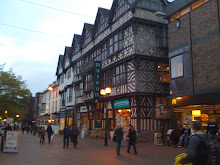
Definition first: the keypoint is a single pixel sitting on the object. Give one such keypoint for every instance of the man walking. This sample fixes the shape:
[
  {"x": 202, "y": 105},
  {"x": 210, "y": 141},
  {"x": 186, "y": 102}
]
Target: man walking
[
  {"x": 197, "y": 149},
  {"x": 49, "y": 132},
  {"x": 212, "y": 129},
  {"x": 74, "y": 134},
  {"x": 132, "y": 139},
  {"x": 66, "y": 136},
  {"x": 119, "y": 136}
]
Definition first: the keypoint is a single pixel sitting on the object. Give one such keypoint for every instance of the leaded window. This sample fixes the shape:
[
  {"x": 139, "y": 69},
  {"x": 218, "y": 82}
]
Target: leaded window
[
  {"x": 116, "y": 43},
  {"x": 163, "y": 72},
  {"x": 88, "y": 85},
  {"x": 122, "y": 6}
]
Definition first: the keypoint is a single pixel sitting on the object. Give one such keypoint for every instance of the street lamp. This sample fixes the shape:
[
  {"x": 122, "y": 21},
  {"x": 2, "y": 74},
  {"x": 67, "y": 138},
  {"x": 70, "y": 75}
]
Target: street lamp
[
  {"x": 106, "y": 92},
  {"x": 50, "y": 88},
  {"x": 17, "y": 116}
]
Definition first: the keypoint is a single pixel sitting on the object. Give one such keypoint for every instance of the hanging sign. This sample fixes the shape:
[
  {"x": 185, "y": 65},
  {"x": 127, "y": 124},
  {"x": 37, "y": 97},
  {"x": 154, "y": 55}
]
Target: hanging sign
[{"x": 97, "y": 80}]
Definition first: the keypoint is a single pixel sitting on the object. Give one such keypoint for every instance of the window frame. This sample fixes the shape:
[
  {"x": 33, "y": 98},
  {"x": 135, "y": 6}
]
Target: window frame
[{"x": 171, "y": 72}]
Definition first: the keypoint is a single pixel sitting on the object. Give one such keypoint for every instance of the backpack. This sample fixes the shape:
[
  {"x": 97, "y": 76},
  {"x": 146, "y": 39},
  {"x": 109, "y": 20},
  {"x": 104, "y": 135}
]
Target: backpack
[{"x": 212, "y": 149}]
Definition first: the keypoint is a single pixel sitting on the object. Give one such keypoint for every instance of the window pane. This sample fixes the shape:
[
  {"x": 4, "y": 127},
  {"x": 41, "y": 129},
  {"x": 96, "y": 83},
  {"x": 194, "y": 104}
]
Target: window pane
[
  {"x": 176, "y": 66},
  {"x": 116, "y": 38},
  {"x": 115, "y": 47},
  {"x": 111, "y": 41},
  {"x": 117, "y": 70},
  {"x": 166, "y": 77}
]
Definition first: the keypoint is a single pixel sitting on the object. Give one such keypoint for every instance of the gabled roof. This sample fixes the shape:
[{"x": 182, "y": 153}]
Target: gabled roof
[
  {"x": 88, "y": 27},
  {"x": 67, "y": 53},
  {"x": 76, "y": 40},
  {"x": 176, "y": 5},
  {"x": 104, "y": 13},
  {"x": 60, "y": 62}
]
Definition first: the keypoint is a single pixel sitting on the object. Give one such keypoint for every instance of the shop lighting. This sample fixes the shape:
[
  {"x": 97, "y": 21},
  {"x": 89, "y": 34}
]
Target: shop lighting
[
  {"x": 52, "y": 120},
  {"x": 17, "y": 116},
  {"x": 49, "y": 121},
  {"x": 196, "y": 113},
  {"x": 6, "y": 112},
  {"x": 119, "y": 110},
  {"x": 179, "y": 98},
  {"x": 4, "y": 119},
  {"x": 0, "y": 118}
]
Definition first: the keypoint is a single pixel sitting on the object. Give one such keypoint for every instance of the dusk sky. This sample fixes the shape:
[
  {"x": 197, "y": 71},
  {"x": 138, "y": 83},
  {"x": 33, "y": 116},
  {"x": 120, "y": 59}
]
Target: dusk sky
[{"x": 34, "y": 32}]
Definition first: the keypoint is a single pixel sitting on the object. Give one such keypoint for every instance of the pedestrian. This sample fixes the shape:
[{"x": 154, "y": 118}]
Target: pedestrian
[
  {"x": 23, "y": 128},
  {"x": 187, "y": 135},
  {"x": 212, "y": 129},
  {"x": 66, "y": 136},
  {"x": 49, "y": 132},
  {"x": 197, "y": 151},
  {"x": 118, "y": 135},
  {"x": 42, "y": 134},
  {"x": 8, "y": 128},
  {"x": 132, "y": 140},
  {"x": 74, "y": 134},
  {"x": 28, "y": 129},
  {"x": 182, "y": 134}
]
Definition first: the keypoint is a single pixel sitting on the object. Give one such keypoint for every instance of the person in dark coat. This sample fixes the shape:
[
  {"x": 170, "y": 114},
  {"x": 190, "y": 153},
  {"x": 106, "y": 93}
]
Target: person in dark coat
[
  {"x": 8, "y": 128},
  {"x": 212, "y": 129},
  {"x": 49, "y": 132},
  {"x": 132, "y": 139},
  {"x": 74, "y": 134},
  {"x": 119, "y": 136},
  {"x": 42, "y": 134},
  {"x": 66, "y": 136},
  {"x": 23, "y": 128}
]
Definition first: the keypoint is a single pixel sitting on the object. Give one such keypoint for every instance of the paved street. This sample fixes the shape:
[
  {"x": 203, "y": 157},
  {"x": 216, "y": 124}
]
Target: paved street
[{"x": 89, "y": 151}]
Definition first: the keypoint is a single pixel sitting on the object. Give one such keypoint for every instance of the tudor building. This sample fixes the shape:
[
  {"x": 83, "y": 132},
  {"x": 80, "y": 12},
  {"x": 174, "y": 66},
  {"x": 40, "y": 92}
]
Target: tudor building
[{"x": 130, "y": 41}]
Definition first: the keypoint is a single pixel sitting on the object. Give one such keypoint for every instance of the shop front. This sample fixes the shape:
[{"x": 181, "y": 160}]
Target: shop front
[
  {"x": 84, "y": 120},
  {"x": 122, "y": 112},
  {"x": 62, "y": 120},
  {"x": 186, "y": 114}
]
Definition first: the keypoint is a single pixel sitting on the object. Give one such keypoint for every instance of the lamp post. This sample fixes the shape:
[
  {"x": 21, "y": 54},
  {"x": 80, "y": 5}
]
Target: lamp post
[{"x": 106, "y": 92}]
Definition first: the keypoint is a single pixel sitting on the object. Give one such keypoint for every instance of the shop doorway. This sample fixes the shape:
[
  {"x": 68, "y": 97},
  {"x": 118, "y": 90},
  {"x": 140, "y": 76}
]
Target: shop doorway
[{"x": 123, "y": 117}]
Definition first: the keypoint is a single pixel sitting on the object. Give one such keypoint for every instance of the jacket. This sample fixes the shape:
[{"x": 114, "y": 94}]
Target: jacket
[
  {"x": 118, "y": 134},
  {"x": 66, "y": 132},
  {"x": 194, "y": 150},
  {"x": 132, "y": 135}
]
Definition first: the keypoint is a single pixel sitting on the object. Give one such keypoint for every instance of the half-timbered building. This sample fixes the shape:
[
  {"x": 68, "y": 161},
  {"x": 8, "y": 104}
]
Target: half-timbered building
[{"x": 129, "y": 44}]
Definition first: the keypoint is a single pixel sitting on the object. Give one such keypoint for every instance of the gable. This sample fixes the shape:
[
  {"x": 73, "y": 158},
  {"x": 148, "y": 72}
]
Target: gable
[
  {"x": 87, "y": 34},
  {"x": 76, "y": 43},
  {"x": 154, "y": 5},
  {"x": 118, "y": 8},
  {"x": 59, "y": 65},
  {"x": 101, "y": 21}
]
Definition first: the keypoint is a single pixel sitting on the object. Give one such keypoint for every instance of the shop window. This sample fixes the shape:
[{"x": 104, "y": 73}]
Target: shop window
[{"x": 177, "y": 66}]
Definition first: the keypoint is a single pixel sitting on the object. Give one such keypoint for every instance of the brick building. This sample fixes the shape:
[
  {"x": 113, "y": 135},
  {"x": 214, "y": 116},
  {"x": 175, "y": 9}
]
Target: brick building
[{"x": 194, "y": 52}]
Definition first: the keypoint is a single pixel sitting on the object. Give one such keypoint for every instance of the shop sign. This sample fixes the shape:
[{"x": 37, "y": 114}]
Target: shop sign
[
  {"x": 62, "y": 115},
  {"x": 97, "y": 81},
  {"x": 83, "y": 109},
  {"x": 123, "y": 103}
]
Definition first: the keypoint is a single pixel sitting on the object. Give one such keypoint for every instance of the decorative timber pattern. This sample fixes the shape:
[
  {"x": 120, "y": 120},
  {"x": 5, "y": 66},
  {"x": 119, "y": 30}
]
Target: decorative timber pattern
[
  {"x": 131, "y": 77},
  {"x": 147, "y": 76},
  {"x": 127, "y": 51},
  {"x": 149, "y": 15}
]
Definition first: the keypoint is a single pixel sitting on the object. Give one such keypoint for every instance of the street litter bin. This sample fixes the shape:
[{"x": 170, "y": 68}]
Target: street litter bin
[{"x": 83, "y": 131}]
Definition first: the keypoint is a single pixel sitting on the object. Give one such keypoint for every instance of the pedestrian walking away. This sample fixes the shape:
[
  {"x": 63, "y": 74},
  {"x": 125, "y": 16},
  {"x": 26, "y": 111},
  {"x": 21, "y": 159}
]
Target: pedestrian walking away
[
  {"x": 74, "y": 134},
  {"x": 132, "y": 140},
  {"x": 197, "y": 150},
  {"x": 49, "y": 132},
  {"x": 66, "y": 136},
  {"x": 42, "y": 134},
  {"x": 118, "y": 138}
]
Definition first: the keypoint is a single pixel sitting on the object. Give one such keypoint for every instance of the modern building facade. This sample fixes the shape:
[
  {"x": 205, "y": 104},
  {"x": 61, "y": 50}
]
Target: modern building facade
[
  {"x": 126, "y": 49},
  {"x": 194, "y": 52}
]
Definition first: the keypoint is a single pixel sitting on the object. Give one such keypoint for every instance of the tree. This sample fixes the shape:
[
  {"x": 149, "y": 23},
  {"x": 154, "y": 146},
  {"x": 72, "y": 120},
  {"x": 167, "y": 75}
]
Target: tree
[{"x": 14, "y": 96}]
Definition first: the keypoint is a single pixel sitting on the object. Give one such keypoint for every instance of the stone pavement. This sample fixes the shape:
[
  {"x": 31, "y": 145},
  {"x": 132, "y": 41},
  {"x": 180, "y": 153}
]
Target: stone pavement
[{"x": 89, "y": 151}]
